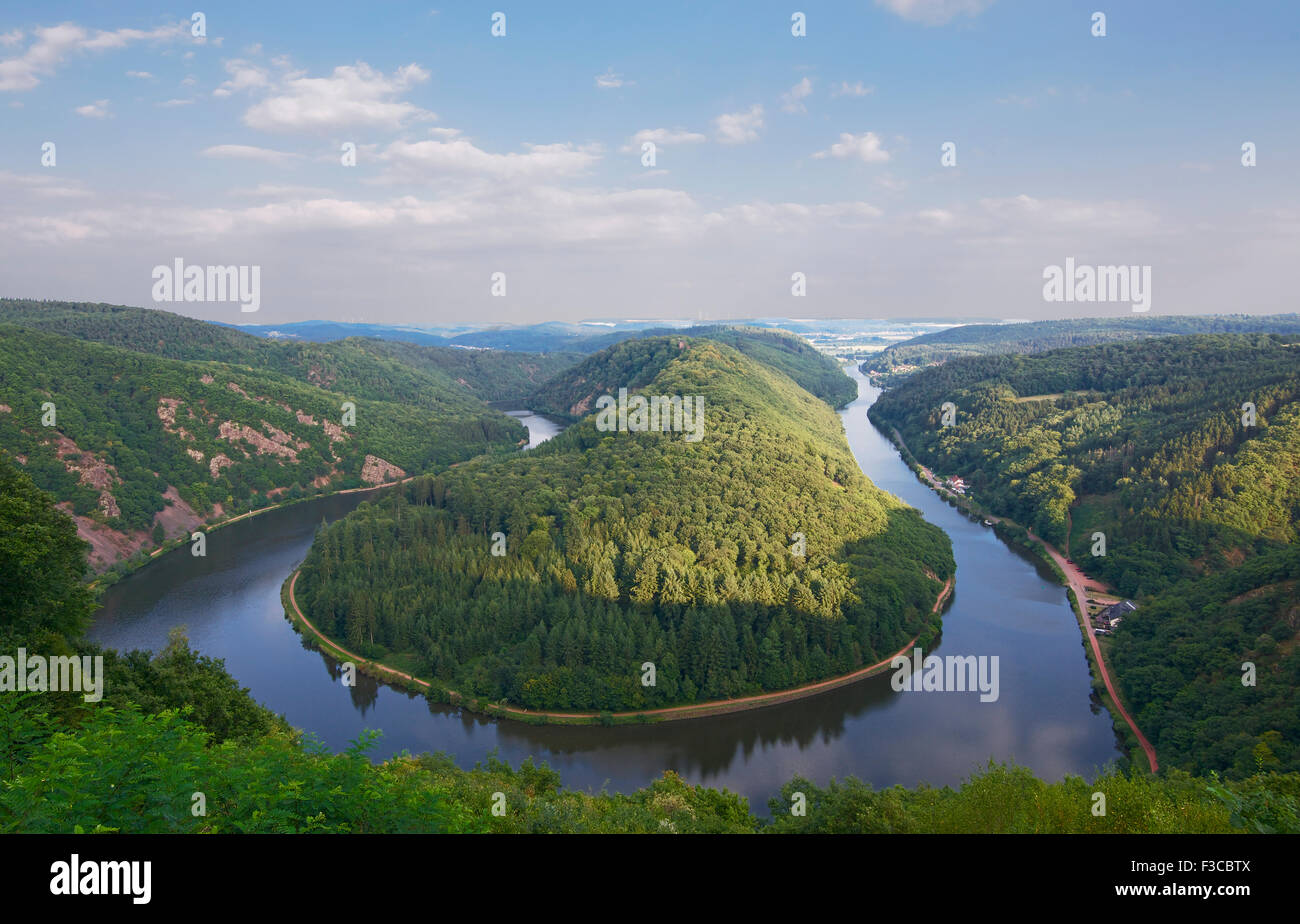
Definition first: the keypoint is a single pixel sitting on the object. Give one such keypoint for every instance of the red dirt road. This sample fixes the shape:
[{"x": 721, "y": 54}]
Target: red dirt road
[{"x": 1077, "y": 581}]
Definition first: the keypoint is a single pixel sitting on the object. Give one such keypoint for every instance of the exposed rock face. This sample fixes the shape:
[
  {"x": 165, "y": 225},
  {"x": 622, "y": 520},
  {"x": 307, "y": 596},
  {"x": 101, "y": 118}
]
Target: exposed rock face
[
  {"x": 108, "y": 545},
  {"x": 229, "y": 430},
  {"x": 167, "y": 412},
  {"x": 377, "y": 471},
  {"x": 219, "y": 461},
  {"x": 319, "y": 377},
  {"x": 91, "y": 471}
]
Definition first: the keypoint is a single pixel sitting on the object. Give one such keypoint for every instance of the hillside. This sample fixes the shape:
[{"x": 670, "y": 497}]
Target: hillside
[
  {"x": 901, "y": 359},
  {"x": 628, "y": 547},
  {"x": 449, "y": 381},
  {"x": 488, "y": 375},
  {"x": 1144, "y": 442},
  {"x": 142, "y": 447},
  {"x": 571, "y": 393}
]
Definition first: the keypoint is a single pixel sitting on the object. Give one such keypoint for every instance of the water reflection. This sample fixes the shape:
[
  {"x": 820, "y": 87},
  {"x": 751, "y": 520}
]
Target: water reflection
[{"x": 1046, "y": 718}]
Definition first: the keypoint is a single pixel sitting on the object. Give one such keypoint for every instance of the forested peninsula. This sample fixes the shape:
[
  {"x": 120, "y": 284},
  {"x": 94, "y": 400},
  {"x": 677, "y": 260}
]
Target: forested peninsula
[{"x": 756, "y": 559}]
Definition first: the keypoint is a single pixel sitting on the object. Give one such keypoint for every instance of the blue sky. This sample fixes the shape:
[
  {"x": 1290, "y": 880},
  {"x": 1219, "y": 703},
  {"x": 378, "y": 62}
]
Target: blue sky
[{"x": 776, "y": 154}]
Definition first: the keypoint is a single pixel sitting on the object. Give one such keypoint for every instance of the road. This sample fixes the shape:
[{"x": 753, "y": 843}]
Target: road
[{"x": 1076, "y": 579}]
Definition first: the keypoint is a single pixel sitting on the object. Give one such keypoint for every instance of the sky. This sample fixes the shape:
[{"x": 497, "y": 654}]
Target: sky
[{"x": 776, "y": 154}]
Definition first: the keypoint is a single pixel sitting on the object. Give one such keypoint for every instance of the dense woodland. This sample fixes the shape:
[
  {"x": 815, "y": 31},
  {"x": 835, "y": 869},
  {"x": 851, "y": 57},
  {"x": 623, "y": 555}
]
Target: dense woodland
[
  {"x": 1145, "y": 442},
  {"x": 895, "y": 362},
  {"x": 177, "y": 723},
  {"x": 489, "y": 375},
  {"x": 627, "y": 365},
  {"x": 623, "y": 548},
  {"x": 149, "y": 423},
  {"x": 444, "y": 380}
]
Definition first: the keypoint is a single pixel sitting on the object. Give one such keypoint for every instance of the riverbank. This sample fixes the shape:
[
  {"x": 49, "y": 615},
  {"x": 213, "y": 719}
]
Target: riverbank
[
  {"x": 438, "y": 693},
  {"x": 1069, "y": 576},
  {"x": 129, "y": 566}
]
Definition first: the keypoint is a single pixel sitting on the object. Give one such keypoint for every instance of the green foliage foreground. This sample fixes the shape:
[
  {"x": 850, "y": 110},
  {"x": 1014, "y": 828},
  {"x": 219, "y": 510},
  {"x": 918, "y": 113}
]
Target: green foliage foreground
[{"x": 124, "y": 771}]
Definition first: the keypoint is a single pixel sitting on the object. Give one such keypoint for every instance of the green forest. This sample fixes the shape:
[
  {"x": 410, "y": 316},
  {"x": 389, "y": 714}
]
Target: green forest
[
  {"x": 895, "y": 362},
  {"x": 625, "y": 364},
  {"x": 1151, "y": 443},
  {"x": 176, "y": 723},
  {"x": 127, "y": 425},
  {"x": 441, "y": 379},
  {"x": 625, "y": 548}
]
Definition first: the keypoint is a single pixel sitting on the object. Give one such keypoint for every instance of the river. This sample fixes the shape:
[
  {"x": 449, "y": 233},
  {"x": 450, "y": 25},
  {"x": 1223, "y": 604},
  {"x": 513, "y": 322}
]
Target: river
[{"x": 1045, "y": 717}]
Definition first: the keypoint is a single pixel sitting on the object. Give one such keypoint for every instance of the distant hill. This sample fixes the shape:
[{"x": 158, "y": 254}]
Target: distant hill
[
  {"x": 570, "y": 394},
  {"x": 489, "y": 375},
  {"x": 326, "y": 331},
  {"x": 546, "y": 337},
  {"x": 627, "y": 547},
  {"x": 1037, "y": 336},
  {"x": 437, "y": 378}
]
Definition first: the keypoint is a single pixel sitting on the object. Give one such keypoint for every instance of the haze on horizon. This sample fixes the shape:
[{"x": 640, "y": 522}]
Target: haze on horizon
[{"x": 775, "y": 154}]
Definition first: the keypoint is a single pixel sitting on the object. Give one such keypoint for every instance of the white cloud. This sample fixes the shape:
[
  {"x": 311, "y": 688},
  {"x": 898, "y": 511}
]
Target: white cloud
[
  {"x": 96, "y": 110},
  {"x": 353, "y": 96},
  {"x": 934, "y": 12},
  {"x": 243, "y": 76},
  {"x": 53, "y": 44},
  {"x": 844, "y": 88},
  {"x": 939, "y": 217},
  {"x": 44, "y": 185},
  {"x": 1042, "y": 214},
  {"x": 739, "y": 127},
  {"x": 248, "y": 152},
  {"x": 276, "y": 191},
  {"x": 792, "y": 100},
  {"x": 865, "y": 147},
  {"x": 433, "y": 160},
  {"x": 662, "y": 137},
  {"x": 610, "y": 81},
  {"x": 795, "y": 216}
]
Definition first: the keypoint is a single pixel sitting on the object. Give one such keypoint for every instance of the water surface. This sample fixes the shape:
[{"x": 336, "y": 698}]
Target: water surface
[{"x": 1045, "y": 718}]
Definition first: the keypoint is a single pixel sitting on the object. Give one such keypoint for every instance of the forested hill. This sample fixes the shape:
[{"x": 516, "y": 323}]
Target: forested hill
[
  {"x": 629, "y": 547},
  {"x": 489, "y": 375},
  {"x": 447, "y": 380},
  {"x": 571, "y": 393},
  {"x": 140, "y": 447},
  {"x": 177, "y": 722},
  {"x": 1039, "y": 336},
  {"x": 1145, "y": 442}
]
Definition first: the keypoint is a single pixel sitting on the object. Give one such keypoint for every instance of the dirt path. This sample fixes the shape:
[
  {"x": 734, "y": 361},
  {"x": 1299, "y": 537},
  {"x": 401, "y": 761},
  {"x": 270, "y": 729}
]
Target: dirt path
[
  {"x": 1076, "y": 579},
  {"x": 667, "y": 713}
]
